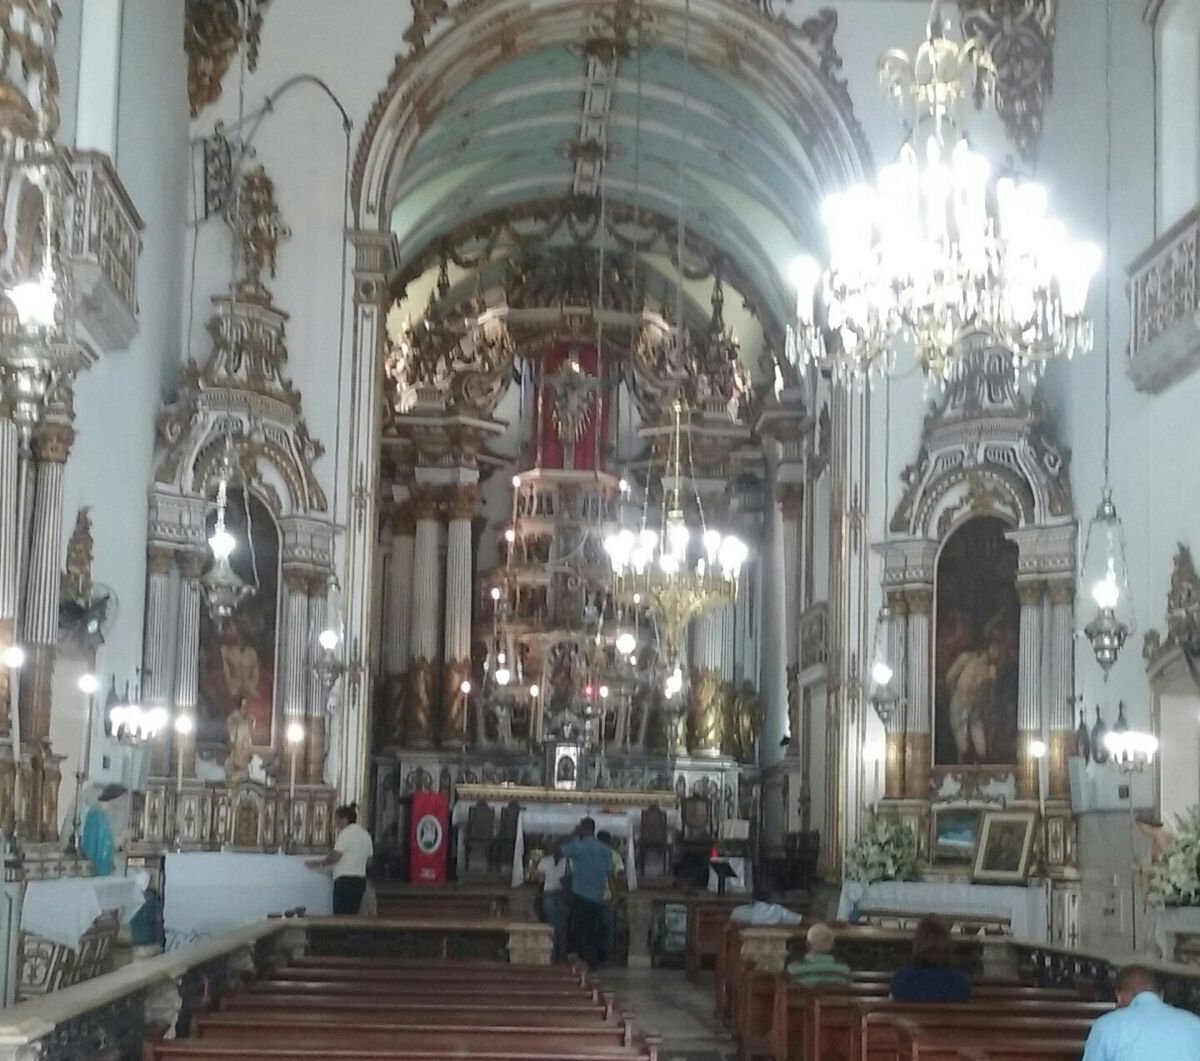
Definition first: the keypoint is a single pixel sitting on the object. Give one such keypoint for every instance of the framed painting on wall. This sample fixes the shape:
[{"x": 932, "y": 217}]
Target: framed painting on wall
[
  {"x": 955, "y": 835},
  {"x": 1005, "y": 845}
]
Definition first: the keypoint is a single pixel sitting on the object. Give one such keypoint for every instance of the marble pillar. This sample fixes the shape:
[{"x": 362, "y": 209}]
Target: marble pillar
[
  {"x": 187, "y": 651},
  {"x": 294, "y": 648},
  {"x": 314, "y": 726},
  {"x": 156, "y": 640},
  {"x": 1029, "y": 691},
  {"x": 918, "y": 717},
  {"x": 423, "y": 650},
  {"x": 791, "y": 506},
  {"x": 461, "y": 504},
  {"x": 894, "y": 730},
  {"x": 39, "y": 617},
  {"x": 397, "y": 624},
  {"x": 10, "y": 456},
  {"x": 1060, "y": 684},
  {"x": 708, "y": 687}
]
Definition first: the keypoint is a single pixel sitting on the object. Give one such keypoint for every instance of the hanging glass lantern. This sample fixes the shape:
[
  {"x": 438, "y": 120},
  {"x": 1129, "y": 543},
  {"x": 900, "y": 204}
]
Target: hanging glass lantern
[
  {"x": 882, "y": 684},
  {"x": 1105, "y": 578},
  {"x": 224, "y": 589}
]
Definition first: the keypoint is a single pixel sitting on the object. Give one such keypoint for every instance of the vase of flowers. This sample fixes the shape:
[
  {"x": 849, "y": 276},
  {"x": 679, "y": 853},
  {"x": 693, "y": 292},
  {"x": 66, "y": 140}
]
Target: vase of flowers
[
  {"x": 884, "y": 850},
  {"x": 1175, "y": 873}
]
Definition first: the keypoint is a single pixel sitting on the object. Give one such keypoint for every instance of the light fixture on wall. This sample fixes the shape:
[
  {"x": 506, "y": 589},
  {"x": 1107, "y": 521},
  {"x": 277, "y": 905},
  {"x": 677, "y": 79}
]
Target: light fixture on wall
[
  {"x": 1130, "y": 750},
  {"x": 329, "y": 665},
  {"x": 1105, "y": 572},
  {"x": 936, "y": 250},
  {"x": 881, "y": 684},
  {"x": 223, "y": 588}
]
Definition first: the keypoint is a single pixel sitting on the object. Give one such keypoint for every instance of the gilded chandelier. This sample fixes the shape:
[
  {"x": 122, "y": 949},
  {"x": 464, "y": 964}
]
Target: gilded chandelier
[
  {"x": 936, "y": 250},
  {"x": 674, "y": 574}
]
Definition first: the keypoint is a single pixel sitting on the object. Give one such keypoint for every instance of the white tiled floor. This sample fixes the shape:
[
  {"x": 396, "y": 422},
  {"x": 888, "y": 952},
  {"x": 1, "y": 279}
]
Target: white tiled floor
[{"x": 664, "y": 1002}]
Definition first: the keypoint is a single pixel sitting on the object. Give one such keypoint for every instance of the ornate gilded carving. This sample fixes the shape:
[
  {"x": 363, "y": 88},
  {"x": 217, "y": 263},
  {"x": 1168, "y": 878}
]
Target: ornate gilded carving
[
  {"x": 576, "y": 395},
  {"x": 213, "y": 30},
  {"x": 159, "y": 560},
  {"x": 462, "y": 502},
  {"x": 454, "y": 702},
  {"x": 418, "y": 706},
  {"x": 743, "y": 720},
  {"x": 76, "y": 582},
  {"x": 423, "y": 500},
  {"x": 425, "y": 14},
  {"x": 920, "y": 601},
  {"x": 258, "y": 229},
  {"x": 1183, "y": 611},
  {"x": 893, "y": 772},
  {"x": 918, "y": 761},
  {"x": 52, "y": 442},
  {"x": 1019, "y": 37},
  {"x": 28, "y": 32},
  {"x": 1030, "y": 592},
  {"x": 708, "y": 694}
]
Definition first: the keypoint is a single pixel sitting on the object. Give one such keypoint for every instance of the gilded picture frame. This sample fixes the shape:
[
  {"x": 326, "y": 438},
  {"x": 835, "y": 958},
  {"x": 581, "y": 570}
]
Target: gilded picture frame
[{"x": 1005, "y": 847}]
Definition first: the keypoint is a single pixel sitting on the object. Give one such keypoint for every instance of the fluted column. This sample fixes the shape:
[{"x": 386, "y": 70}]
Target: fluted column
[
  {"x": 156, "y": 638},
  {"x": 461, "y": 504},
  {"x": 707, "y": 684},
  {"x": 1029, "y": 716},
  {"x": 314, "y": 726},
  {"x": 918, "y": 716},
  {"x": 39, "y": 619},
  {"x": 10, "y": 455},
  {"x": 1060, "y": 685},
  {"x": 418, "y": 705},
  {"x": 398, "y": 622},
  {"x": 897, "y": 646},
  {"x": 187, "y": 652},
  {"x": 294, "y": 621}
]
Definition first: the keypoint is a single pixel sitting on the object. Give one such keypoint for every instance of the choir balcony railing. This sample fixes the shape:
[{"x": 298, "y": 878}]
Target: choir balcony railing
[
  {"x": 106, "y": 243},
  {"x": 814, "y": 637},
  {"x": 1164, "y": 303}
]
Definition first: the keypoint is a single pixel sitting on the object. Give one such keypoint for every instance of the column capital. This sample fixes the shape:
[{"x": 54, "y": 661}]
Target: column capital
[
  {"x": 52, "y": 442},
  {"x": 791, "y": 499},
  {"x": 191, "y": 564},
  {"x": 296, "y": 579},
  {"x": 462, "y": 502},
  {"x": 897, "y": 603},
  {"x": 1061, "y": 591},
  {"x": 1030, "y": 592},
  {"x": 424, "y": 502},
  {"x": 159, "y": 560},
  {"x": 318, "y": 584},
  {"x": 920, "y": 601}
]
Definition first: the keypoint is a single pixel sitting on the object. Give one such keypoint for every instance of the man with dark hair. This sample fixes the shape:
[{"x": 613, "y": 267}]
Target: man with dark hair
[
  {"x": 1143, "y": 1026},
  {"x": 591, "y": 874}
]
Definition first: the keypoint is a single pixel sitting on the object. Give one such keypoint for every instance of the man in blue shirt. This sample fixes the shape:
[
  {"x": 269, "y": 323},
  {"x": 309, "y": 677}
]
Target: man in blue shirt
[
  {"x": 1144, "y": 1027},
  {"x": 591, "y": 874}
]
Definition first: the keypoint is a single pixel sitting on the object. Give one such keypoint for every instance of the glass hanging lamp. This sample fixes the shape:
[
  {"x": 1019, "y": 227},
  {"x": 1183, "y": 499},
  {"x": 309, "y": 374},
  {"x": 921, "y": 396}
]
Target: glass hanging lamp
[{"x": 223, "y": 588}]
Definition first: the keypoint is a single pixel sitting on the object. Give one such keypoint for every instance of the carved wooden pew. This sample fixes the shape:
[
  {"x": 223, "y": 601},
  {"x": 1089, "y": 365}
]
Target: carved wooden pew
[
  {"x": 706, "y": 921},
  {"x": 942, "y": 1037},
  {"x": 764, "y": 947},
  {"x": 460, "y": 1016},
  {"x": 354, "y": 1004},
  {"x": 552, "y": 977},
  {"x": 544, "y": 993},
  {"x": 539, "y": 1048},
  {"x": 1025, "y": 1050}
]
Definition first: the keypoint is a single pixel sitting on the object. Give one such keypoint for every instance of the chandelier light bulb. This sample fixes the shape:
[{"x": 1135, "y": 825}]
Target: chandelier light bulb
[
  {"x": 533, "y": 692},
  {"x": 510, "y": 535},
  {"x": 604, "y": 692},
  {"x": 626, "y": 643},
  {"x": 185, "y": 725},
  {"x": 35, "y": 302},
  {"x": 503, "y": 675},
  {"x": 13, "y": 657},
  {"x": 881, "y": 672},
  {"x": 222, "y": 542},
  {"x": 1038, "y": 749},
  {"x": 464, "y": 687},
  {"x": 295, "y": 733},
  {"x": 328, "y": 639},
  {"x": 88, "y": 684},
  {"x": 516, "y": 480},
  {"x": 501, "y": 658},
  {"x": 1107, "y": 591},
  {"x": 495, "y": 593},
  {"x": 154, "y": 721},
  {"x": 712, "y": 544}
]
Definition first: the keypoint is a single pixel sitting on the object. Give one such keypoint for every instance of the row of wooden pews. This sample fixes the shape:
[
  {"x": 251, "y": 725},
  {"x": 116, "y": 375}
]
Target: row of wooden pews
[
  {"x": 355, "y": 1009},
  {"x": 1007, "y": 1020}
]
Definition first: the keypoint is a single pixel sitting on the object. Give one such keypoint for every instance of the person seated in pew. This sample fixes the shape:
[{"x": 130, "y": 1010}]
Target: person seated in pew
[
  {"x": 931, "y": 976},
  {"x": 1143, "y": 1026},
  {"x": 818, "y": 967}
]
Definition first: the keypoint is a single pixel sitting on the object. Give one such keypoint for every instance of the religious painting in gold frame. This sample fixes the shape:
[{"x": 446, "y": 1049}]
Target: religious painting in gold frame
[
  {"x": 955, "y": 839},
  {"x": 1005, "y": 847},
  {"x": 977, "y": 647}
]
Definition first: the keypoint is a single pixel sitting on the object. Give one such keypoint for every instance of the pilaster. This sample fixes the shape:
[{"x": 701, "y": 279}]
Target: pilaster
[
  {"x": 462, "y": 502},
  {"x": 423, "y": 653},
  {"x": 314, "y": 726},
  {"x": 1029, "y": 692},
  {"x": 187, "y": 652},
  {"x": 918, "y": 740}
]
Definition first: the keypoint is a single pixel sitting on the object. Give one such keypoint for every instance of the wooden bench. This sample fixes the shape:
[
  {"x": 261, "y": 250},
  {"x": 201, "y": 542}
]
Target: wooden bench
[
  {"x": 406, "y": 903},
  {"x": 546, "y": 994},
  {"x": 539, "y": 1048},
  {"x": 706, "y": 920},
  {"x": 1025, "y": 1050},
  {"x": 461, "y": 1016},
  {"x": 944, "y": 1036},
  {"x": 385, "y": 1004},
  {"x": 562, "y": 977}
]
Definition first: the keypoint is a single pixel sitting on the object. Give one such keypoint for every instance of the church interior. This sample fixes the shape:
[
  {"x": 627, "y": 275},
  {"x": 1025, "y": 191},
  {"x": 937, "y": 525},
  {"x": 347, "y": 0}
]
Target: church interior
[{"x": 441, "y": 438}]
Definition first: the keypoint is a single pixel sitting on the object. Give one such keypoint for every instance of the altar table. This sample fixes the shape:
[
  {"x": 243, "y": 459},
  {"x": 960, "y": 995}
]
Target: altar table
[
  {"x": 212, "y": 892},
  {"x": 558, "y": 819},
  {"x": 1026, "y": 908},
  {"x": 62, "y": 910}
]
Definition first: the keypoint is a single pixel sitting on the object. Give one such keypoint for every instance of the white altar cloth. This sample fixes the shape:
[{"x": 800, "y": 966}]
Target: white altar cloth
[
  {"x": 558, "y": 819},
  {"x": 212, "y": 892},
  {"x": 63, "y": 910},
  {"x": 1024, "y": 907},
  {"x": 1171, "y": 922}
]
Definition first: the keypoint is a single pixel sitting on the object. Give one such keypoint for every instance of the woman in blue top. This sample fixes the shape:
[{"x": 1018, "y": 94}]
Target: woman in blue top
[{"x": 931, "y": 976}]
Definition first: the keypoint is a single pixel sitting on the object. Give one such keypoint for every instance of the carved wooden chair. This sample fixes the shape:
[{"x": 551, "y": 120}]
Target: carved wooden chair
[
  {"x": 481, "y": 825},
  {"x": 654, "y": 836},
  {"x": 506, "y": 837}
]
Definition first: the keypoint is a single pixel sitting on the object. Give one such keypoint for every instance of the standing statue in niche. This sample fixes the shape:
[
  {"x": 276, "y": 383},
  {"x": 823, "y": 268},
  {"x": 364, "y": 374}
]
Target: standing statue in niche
[
  {"x": 240, "y": 727},
  {"x": 334, "y": 712}
]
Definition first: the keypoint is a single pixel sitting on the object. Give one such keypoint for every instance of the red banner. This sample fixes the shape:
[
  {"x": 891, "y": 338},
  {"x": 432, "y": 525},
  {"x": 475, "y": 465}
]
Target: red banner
[{"x": 430, "y": 835}]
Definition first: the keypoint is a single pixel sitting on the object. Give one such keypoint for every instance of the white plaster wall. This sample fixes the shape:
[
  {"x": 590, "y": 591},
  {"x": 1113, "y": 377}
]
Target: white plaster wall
[{"x": 116, "y": 401}]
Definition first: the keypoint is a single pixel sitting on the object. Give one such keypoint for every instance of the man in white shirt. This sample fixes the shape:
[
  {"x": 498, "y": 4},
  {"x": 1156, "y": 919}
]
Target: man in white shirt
[
  {"x": 351, "y": 852},
  {"x": 552, "y": 871},
  {"x": 1144, "y": 1027}
]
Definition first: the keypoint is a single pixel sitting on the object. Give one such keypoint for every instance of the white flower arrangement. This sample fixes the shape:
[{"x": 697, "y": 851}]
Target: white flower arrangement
[
  {"x": 883, "y": 851},
  {"x": 1175, "y": 874}
]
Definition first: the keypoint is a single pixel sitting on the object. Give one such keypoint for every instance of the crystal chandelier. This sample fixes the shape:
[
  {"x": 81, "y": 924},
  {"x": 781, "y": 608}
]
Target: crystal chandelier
[
  {"x": 935, "y": 250},
  {"x": 224, "y": 589},
  {"x": 674, "y": 574},
  {"x": 1131, "y": 750}
]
